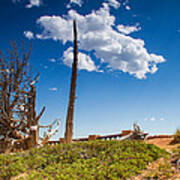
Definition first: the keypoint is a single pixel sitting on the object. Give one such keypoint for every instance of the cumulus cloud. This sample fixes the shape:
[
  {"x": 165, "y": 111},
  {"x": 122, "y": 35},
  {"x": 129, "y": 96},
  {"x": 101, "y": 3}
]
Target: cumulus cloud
[
  {"x": 97, "y": 34},
  {"x": 85, "y": 62},
  {"x": 113, "y": 3},
  {"x": 128, "y": 29},
  {"x": 56, "y": 28},
  {"x": 77, "y": 2},
  {"x": 53, "y": 89},
  {"x": 32, "y": 3},
  {"x": 29, "y": 34}
]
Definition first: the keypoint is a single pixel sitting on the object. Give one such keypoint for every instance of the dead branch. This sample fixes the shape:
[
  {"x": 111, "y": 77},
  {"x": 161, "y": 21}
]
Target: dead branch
[
  {"x": 19, "y": 122},
  {"x": 51, "y": 131}
]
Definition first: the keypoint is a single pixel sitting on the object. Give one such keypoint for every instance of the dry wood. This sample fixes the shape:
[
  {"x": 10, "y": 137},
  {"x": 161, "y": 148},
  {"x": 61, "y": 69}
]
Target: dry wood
[
  {"x": 70, "y": 112},
  {"x": 19, "y": 122}
]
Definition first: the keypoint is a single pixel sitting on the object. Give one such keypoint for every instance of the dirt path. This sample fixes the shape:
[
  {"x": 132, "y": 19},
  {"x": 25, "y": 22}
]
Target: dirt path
[
  {"x": 162, "y": 167},
  {"x": 163, "y": 143}
]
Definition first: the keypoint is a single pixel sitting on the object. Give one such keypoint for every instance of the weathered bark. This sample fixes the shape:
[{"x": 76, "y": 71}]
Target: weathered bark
[
  {"x": 34, "y": 131},
  {"x": 70, "y": 111},
  {"x": 19, "y": 122}
]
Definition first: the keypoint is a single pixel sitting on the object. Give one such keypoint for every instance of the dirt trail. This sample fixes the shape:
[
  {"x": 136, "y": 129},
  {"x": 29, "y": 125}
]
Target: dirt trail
[{"x": 163, "y": 143}]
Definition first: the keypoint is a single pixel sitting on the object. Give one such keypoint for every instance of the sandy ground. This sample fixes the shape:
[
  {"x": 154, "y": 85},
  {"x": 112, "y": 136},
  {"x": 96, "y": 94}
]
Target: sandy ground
[{"x": 163, "y": 143}]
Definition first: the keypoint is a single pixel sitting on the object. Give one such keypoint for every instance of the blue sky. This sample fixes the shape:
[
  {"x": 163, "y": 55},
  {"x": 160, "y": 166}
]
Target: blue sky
[{"x": 129, "y": 68}]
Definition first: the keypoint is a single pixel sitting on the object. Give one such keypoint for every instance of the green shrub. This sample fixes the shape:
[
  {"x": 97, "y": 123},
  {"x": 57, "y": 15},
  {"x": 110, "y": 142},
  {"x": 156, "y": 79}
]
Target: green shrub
[
  {"x": 82, "y": 160},
  {"x": 177, "y": 136}
]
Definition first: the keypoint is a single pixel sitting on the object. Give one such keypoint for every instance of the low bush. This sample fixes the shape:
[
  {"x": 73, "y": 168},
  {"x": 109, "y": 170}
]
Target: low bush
[
  {"x": 82, "y": 160},
  {"x": 177, "y": 136}
]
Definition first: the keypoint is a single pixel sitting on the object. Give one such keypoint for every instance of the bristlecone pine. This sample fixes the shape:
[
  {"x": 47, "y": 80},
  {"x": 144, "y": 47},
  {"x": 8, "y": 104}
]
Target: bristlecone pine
[
  {"x": 19, "y": 122},
  {"x": 70, "y": 111}
]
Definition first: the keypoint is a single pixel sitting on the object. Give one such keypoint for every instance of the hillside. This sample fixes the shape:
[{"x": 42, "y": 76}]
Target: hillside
[
  {"x": 86, "y": 160},
  {"x": 163, "y": 168}
]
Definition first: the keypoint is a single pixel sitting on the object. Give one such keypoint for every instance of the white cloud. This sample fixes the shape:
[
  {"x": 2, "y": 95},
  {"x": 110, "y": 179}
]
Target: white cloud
[
  {"x": 52, "y": 60},
  {"x": 53, "y": 89},
  {"x": 97, "y": 34},
  {"x": 126, "y": 4},
  {"x": 128, "y": 7},
  {"x": 55, "y": 27},
  {"x": 114, "y": 3},
  {"x": 154, "y": 69},
  {"x": 29, "y": 34},
  {"x": 77, "y": 2},
  {"x": 84, "y": 61},
  {"x": 152, "y": 119},
  {"x": 128, "y": 29},
  {"x": 32, "y": 3}
]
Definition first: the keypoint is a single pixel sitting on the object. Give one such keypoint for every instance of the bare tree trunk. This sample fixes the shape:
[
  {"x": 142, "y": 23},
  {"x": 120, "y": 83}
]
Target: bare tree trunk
[
  {"x": 32, "y": 118},
  {"x": 70, "y": 112},
  {"x": 19, "y": 122}
]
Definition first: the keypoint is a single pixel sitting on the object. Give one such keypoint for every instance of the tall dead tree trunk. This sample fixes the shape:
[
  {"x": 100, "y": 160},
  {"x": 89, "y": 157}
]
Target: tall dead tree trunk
[
  {"x": 34, "y": 132},
  {"x": 70, "y": 112}
]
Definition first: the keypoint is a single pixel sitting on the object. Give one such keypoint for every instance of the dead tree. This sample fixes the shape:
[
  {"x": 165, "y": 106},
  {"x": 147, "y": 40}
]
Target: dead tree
[
  {"x": 19, "y": 122},
  {"x": 70, "y": 111}
]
